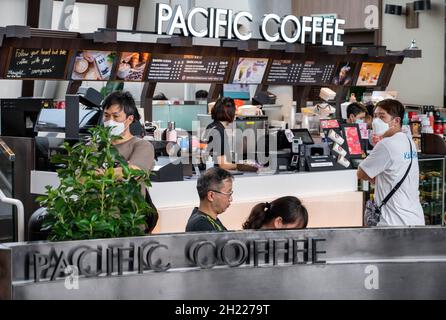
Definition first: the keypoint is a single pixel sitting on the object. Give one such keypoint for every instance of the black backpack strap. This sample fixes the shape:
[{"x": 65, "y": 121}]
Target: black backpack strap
[{"x": 401, "y": 181}]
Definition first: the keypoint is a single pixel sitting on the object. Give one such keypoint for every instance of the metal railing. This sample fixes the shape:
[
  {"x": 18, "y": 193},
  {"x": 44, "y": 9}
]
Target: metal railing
[
  {"x": 20, "y": 215},
  {"x": 10, "y": 156},
  {"x": 6, "y": 150}
]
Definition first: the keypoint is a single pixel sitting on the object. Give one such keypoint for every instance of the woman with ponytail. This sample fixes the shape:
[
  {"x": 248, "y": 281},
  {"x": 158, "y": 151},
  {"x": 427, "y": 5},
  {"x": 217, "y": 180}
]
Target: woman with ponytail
[{"x": 283, "y": 213}]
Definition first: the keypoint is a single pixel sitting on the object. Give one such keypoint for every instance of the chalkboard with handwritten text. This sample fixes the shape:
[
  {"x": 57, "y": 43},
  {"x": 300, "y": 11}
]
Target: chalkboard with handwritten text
[{"x": 25, "y": 63}]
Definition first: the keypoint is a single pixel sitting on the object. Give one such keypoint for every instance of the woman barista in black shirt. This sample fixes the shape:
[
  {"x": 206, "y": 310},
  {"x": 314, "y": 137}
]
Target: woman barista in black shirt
[{"x": 223, "y": 114}]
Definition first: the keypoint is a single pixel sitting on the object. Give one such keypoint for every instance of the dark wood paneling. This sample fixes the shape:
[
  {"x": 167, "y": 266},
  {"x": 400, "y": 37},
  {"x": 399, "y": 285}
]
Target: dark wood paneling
[
  {"x": 28, "y": 88},
  {"x": 155, "y": 48},
  {"x": 73, "y": 86},
  {"x": 135, "y": 14},
  {"x": 32, "y": 14},
  {"x": 32, "y": 20},
  {"x": 147, "y": 101},
  {"x": 215, "y": 91},
  {"x": 350, "y": 10},
  {"x": 112, "y": 16},
  {"x": 6, "y": 229},
  {"x": 300, "y": 95},
  {"x": 24, "y": 164},
  {"x": 127, "y": 3}
]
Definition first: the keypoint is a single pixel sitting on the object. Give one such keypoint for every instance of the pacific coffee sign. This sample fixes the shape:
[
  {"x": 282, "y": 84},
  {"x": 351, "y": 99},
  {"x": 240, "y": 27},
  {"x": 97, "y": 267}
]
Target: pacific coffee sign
[
  {"x": 153, "y": 256},
  {"x": 304, "y": 28}
]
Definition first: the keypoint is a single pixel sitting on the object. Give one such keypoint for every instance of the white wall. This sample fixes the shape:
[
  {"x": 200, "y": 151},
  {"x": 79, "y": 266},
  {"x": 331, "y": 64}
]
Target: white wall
[
  {"x": 12, "y": 12},
  {"x": 125, "y": 18},
  {"x": 418, "y": 81},
  {"x": 86, "y": 17},
  {"x": 10, "y": 88}
]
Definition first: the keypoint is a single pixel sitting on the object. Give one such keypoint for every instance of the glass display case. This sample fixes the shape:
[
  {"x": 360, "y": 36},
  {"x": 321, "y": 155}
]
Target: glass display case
[
  {"x": 432, "y": 190},
  {"x": 431, "y": 187},
  {"x": 182, "y": 115}
]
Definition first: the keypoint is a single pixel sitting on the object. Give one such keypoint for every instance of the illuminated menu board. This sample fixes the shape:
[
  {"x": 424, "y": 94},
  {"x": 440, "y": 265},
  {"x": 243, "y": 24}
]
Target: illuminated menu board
[
  {"x": 284, "y": 72},
  {"x": 250, "y": 70},
  {"x": 316, "y": 73},
  {"x": 289, "y": 72},
  {"x": 369, "y": 74},
  {"x": 93, "y": 65},
  {"x": 187, "y": 68}
]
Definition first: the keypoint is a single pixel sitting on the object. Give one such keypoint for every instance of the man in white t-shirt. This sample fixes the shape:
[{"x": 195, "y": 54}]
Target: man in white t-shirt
[{"x": 387, "y": 164}]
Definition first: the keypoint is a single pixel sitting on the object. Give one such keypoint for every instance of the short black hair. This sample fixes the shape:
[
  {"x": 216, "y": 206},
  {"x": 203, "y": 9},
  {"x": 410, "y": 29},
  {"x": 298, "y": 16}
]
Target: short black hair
[
  {"x": 370, "y": 107},
  {"x": 355, "y": 108},
  {"x": 212, "y": 179},
  {"x": 224, "y": 110},
  {"x": 125, "y": 101},
  {"x": 160, "y": 96},
  {"x": 201, "y": 94},
  {"x": 392, "y": 107}
]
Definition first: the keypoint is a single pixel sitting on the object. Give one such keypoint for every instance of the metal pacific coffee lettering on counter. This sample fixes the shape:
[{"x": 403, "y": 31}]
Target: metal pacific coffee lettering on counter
[
  {"x": 153, "y": 256},
  {"x": 175, "y": 19}
]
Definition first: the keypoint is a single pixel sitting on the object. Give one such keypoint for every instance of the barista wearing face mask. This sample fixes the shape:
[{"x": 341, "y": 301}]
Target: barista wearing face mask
[
  {"x": 387, "y": 164},
  {"x": 119, "y": 113},
  {"x": 356, "y": 113}
]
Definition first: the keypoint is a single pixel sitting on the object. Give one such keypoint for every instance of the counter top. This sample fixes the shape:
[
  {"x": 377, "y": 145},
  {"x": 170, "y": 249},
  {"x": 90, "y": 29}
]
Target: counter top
[
  {"x": 423, "y": 156},
  {"x": 251, "y": 186},
  {"x": 248, "y": 186}
]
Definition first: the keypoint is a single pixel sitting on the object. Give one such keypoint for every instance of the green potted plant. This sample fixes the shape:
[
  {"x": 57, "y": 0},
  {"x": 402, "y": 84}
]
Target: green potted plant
[{"x": 90, "y": 201}]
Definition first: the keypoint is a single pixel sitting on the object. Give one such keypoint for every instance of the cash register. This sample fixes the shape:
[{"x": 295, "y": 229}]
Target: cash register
[{"x": 296, "y": 151}]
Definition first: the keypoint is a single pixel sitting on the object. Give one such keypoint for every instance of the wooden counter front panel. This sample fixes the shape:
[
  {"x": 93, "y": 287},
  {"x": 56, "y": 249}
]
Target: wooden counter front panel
[{"x": 333, "y": 210}]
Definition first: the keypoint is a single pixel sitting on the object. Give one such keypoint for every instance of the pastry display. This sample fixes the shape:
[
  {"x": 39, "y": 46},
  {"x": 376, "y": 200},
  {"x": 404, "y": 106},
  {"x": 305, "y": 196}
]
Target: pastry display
[{"x": 132, "y": 66}]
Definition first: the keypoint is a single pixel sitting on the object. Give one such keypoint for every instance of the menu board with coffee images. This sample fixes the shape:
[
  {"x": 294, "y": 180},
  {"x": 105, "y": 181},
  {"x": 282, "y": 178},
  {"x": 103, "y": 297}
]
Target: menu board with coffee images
[
  {"x": 344, "y": 74},
  {"x": 187, "y": 68},
  {"x": 132, "y": 66},
  {"x": 250, "y": 70},
  {"x": 369, "y": 74},
  {"x": 25, "y": 63},
  {"x": 93, "y": 65}
]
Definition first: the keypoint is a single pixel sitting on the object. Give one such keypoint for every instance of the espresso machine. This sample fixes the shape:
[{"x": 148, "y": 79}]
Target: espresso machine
[{"x": 249, "y": 136}]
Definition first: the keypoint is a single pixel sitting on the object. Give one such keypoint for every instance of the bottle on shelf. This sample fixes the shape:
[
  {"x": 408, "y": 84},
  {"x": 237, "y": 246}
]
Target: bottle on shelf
[
  {"x": 171, "y": 133},
  {"x": 438, "y": 127},
  {"x": 209, "y": 163},
  {"x": 426, "y": 124}
]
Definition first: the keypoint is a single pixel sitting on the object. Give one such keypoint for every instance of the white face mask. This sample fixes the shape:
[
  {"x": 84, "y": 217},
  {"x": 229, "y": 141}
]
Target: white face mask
[
  {"x": 379, "y": 127},
  {"x": 118, "y": 127}
]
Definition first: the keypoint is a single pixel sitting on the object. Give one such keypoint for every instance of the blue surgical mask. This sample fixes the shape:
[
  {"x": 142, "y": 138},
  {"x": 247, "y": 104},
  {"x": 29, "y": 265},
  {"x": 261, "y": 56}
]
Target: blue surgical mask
[{"x": 358, "y": 121}]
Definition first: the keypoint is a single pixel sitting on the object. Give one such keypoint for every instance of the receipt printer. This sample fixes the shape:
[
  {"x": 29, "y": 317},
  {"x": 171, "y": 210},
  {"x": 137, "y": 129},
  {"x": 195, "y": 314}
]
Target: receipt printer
[
  {"x": 167, "y": 170},
  {"x": 264, "y": 98},
  {"x": 316, "y": 157}
]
